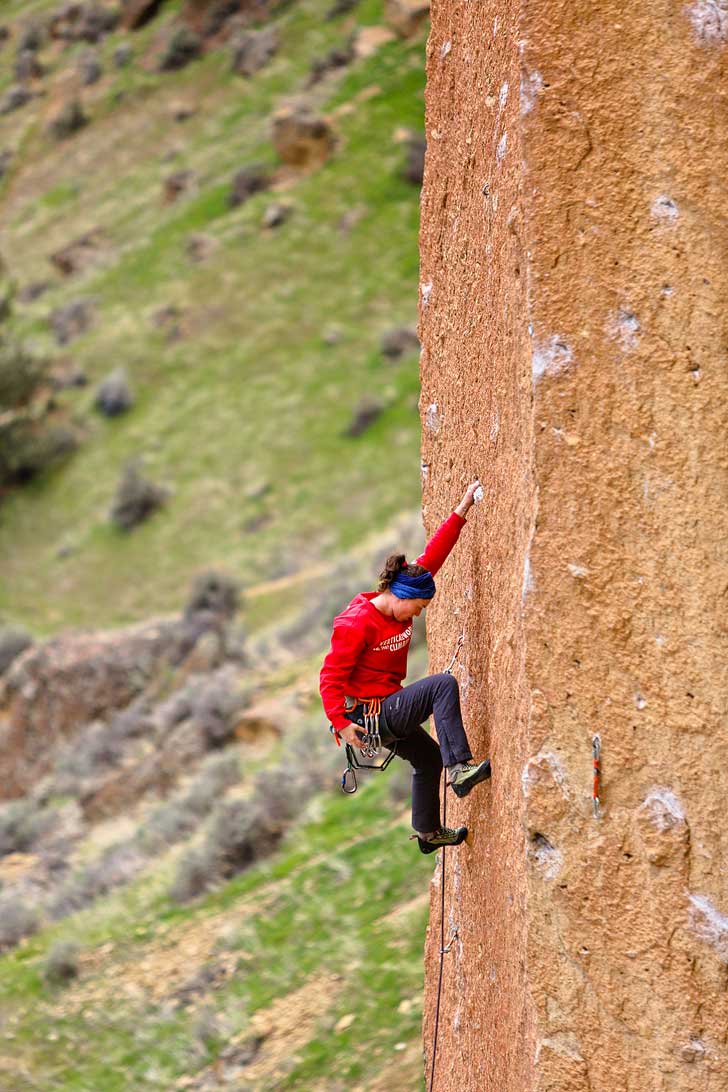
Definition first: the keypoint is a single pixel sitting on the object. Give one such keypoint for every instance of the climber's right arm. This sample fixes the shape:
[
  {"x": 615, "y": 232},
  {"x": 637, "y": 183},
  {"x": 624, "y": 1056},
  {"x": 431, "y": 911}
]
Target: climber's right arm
[{"x": 447, "y": 534}]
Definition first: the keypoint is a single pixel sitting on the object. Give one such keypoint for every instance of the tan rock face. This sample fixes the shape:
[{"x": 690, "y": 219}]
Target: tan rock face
[{"x": 574, "y": 332}]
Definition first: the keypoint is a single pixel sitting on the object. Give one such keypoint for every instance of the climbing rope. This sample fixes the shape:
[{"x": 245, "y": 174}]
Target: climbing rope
[{"x": 443, "y": 950}]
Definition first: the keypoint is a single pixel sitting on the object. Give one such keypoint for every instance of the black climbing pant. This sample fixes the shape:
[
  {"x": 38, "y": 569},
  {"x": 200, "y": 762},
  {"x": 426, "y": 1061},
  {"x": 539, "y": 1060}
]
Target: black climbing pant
[{"x": 405, "y": 712}]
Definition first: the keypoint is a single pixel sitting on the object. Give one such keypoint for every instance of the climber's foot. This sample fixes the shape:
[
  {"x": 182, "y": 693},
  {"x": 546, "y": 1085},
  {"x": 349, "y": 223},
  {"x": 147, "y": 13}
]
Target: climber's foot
[
  {"x": 466, "y": 776},
  {"x": 445, "y": 836}
]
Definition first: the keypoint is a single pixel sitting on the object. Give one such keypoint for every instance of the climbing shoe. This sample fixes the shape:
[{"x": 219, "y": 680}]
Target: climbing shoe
[
  {"x": 445, "y": 836},
  {"x": 466, "y": 776}
]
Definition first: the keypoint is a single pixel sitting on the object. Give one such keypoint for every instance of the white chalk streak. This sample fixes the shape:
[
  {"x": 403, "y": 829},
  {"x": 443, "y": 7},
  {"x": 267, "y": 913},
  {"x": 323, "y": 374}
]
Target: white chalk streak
[
  {"x": 550, "y": 357},
  {"x": 710, "y": 21},
  {"x": 665, "y": 808},
  {"x": 709, "y": 924}
]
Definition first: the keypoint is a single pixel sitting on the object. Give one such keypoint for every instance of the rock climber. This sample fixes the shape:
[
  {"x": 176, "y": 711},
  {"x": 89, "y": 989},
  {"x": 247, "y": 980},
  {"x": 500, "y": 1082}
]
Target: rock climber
[{"x": 362, "y": 674}]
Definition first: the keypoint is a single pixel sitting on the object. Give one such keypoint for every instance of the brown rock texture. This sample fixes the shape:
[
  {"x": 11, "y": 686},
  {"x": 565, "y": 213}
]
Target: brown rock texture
[
  {"x": 135, "y": 13},
  {"x": 53, "y": 690},
  {"x": 574, "y": 274},
  {"x": 406, "y": 16},
  {"x": 302, "y": 138}
]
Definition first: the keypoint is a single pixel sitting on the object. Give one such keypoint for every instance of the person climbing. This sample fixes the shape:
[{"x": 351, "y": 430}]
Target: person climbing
[{"x": 361, "y": 677}]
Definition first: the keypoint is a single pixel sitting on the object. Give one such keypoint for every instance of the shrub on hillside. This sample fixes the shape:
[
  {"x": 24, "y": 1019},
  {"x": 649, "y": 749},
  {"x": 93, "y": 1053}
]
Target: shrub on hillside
[
  {"x": 218, "y": 773},
  {"x": 18, "y": 919},
  {"x": 253, "y": 49},
  {"x": 69, "y": 119},
  {"x": 31, "y": 36},
  {"x": 114, "y": 394},
  {"x": 247, "y": 181},
  {"x": 95, "y": 748},
  {"x": 28, "y": 447},
  {"x": 62, "y": 963},
  {"x": 182, "y": 47},
  {"x": 89, "y": 68},
  {"x": 366, "y": 412},
  {"x": 242, "y": 832},
  {"x": 196, "y": 873},
  {"x": 171, "y": 823},
  {"x": 13, "y": 641},
  {"x": 27, "y": 66},
  {"x": 71, "y": 319},
  {"x": 21, "y": 371},
  {"x": 116, "y": 866},
  {"x": 136, "y": 498},
  {"x": 245, "y": 831},
  {"x": 15, "y": 98},
  {"x": 220, "y": 12},
  {"x": 131, "y": 723},
  {"x": 314, "y": 757},
  {"x": 83, "y": 22},
  {"x": 123, "y": 55},
  {"x": 216, "y": 592},
  {"x": 179, "y": 817},
  {"x": 214, "y": 708},
  {"x": 22, "y": 824}
]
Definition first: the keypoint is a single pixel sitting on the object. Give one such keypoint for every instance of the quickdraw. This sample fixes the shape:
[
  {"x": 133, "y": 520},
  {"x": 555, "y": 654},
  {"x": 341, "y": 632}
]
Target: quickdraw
[
  {"x": 372, "y": 744},
  {"x": 596, "y": 754},
  {"x": 373, "y": 737},
  {"x": 456, "y": 653}
]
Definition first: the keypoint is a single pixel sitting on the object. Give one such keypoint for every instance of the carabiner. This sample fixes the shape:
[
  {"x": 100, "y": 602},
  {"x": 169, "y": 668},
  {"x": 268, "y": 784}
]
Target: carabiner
[{"x": 348, "y": 772}]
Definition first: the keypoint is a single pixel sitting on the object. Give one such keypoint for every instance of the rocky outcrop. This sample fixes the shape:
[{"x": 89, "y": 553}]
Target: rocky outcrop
[
  {"x": 406, "y": 16},
  {"x": 302, "y": 138},
  {"x": 573, "y": 270},
  {"x": 79, "y": 22},
  {"x": 135, "y": 13},
  {"x": 253, "y": 50},
  {"x": 82, "y": 253},
  {"x": 210, "y": 17},
  {"x": 56, "y": 688}
]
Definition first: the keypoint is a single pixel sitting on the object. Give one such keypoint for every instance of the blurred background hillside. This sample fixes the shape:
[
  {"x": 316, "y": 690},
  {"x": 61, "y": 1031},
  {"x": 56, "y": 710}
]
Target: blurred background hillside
[{"x": 209, "y": 439}]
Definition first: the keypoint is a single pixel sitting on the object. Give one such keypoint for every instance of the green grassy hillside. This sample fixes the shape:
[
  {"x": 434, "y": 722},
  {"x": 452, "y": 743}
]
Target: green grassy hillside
[
  {"x": 305, "y": 970},
  {"x": 308, "y": 966},
  {"x": 282, "y": 326}
]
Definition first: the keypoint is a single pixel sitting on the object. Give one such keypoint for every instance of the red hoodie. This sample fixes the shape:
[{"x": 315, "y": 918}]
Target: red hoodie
[{"x": 368, "y": 656}]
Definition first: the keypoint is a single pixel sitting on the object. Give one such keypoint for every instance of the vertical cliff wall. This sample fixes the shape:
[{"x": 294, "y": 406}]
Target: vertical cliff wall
[{"x": 574, "y": 279}]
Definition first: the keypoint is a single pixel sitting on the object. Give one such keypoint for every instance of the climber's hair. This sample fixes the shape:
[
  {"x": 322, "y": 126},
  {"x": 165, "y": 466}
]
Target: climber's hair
[{"x": 393, "y": 566}]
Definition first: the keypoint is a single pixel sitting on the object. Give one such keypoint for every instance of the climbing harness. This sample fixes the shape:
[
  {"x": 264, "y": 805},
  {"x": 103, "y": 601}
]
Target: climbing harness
[
  {"x": 596, "y": 754},
  {"x": 370, "y": 721}
]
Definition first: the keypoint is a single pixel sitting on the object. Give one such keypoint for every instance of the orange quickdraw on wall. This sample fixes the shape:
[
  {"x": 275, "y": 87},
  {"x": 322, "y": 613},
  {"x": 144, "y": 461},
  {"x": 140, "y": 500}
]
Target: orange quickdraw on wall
[{"x": 596, "y": 754}]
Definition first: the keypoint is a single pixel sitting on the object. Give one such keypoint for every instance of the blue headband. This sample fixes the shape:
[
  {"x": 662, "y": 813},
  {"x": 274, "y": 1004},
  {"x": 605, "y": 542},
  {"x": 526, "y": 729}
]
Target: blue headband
[{"x": 413, "y": 587}]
